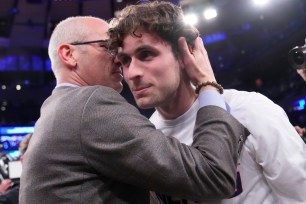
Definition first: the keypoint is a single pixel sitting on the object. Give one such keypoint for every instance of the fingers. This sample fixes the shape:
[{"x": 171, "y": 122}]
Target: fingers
[
  {"x": 199, "y": 45},
  {"x": 185, "y": 51},
  {"x": 303, "y": 131},
  {"x": 195, "y": 61},
  {"x": 300, "y": 131}
]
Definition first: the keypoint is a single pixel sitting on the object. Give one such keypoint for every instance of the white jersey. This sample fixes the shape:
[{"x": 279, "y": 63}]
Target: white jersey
[{"x": 272, "y": 162}]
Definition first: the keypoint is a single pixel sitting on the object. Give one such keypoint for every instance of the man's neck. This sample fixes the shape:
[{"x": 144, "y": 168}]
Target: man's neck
[
  {"x": 71, "y": 78},
  {"x": 179, "y": 104}
]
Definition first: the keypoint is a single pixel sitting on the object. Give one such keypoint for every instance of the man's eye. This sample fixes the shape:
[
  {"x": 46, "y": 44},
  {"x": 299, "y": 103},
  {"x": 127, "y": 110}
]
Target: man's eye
[
  {"x": 125, "y": 60},
  {"x": 145, "y": 55},
  {"x": 104, "y": 46}
]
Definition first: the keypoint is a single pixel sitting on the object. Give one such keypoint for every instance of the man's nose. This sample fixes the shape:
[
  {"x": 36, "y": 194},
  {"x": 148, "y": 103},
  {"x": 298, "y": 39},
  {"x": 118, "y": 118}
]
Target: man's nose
[{"x": 134, "y": 70}]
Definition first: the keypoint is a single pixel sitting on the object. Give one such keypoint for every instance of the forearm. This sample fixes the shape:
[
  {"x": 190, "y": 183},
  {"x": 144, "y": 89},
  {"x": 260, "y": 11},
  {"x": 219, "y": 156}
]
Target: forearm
[
  {"x": 142, "y": 156},
  {"x": 220, "y": 147}
]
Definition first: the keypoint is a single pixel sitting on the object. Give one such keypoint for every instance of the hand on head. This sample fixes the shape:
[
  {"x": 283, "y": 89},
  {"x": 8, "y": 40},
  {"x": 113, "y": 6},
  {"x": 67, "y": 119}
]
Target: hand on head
[{"x": 196, "y": 61}]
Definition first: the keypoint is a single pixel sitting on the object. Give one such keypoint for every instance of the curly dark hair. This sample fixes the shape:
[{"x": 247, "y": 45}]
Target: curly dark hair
[{"x": 161, "y": 18}]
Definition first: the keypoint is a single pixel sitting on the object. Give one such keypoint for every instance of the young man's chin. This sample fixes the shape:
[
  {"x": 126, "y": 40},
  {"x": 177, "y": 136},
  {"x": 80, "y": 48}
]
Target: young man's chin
[{"x": 144, "y": 104}]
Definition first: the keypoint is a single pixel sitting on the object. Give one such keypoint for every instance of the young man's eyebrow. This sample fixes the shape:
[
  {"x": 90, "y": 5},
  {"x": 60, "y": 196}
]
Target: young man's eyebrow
[{"x": 144, "y": 47}]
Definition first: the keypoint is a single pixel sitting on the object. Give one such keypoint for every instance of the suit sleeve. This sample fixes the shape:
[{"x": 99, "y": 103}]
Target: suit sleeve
[{"x": 121, "y": 144}]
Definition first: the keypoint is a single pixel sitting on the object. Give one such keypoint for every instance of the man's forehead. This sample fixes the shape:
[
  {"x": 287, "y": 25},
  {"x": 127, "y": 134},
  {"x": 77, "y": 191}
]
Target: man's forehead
[
  {"x": 141, "y": 40},
  {"x": 135, "y": 48}
]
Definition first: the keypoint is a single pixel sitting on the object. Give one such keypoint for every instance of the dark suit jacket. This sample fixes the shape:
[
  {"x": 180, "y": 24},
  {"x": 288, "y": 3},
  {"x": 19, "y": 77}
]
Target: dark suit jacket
[{"x": 91, "y": 146}]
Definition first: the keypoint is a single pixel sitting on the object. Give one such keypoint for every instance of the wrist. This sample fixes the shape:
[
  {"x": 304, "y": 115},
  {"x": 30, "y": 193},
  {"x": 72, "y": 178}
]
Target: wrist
[{"x": 208, "y": 85}]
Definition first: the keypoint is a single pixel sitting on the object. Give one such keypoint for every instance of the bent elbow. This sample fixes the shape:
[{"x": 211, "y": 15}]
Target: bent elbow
[{"x": 220, "y": 189}]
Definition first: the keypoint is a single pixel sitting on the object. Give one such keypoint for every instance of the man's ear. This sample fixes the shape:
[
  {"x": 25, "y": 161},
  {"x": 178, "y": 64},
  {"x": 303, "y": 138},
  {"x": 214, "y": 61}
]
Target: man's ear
[
  {"x": 181, "y": 62},
  {"x": 65, "y": 53}
]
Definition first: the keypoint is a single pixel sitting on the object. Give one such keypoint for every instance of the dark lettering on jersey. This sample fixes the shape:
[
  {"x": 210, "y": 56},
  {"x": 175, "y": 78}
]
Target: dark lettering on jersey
[{"x": 238, "y": 189}]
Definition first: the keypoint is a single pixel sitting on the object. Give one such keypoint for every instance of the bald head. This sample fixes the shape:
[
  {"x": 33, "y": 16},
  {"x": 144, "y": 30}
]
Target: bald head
[{"x": 72, "y": 29}]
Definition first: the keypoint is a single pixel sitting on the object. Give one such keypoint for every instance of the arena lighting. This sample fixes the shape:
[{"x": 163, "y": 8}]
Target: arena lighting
[
  {"x": 302, "y": 104},
  {"x": 261, "y": 2},
  {"x": 11, "y": 136},
  {"x": 213, "y": 38},
  {"x": 191, "y": 19},
  {"x": 16, "y": 130},
  {"x": 18, "y": 87},
  {"x": 210, "y": 13},
  {"x": 299, "y": 104},
  {"x": 25, "y": 63}
]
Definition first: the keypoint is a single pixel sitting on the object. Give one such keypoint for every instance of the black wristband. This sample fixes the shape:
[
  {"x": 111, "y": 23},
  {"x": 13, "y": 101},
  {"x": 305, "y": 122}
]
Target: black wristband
[{"x": 211, "y": 83}]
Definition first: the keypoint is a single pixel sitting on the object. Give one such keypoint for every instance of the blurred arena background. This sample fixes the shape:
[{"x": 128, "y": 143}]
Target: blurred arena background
[{"x": 247, "y": 41}]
